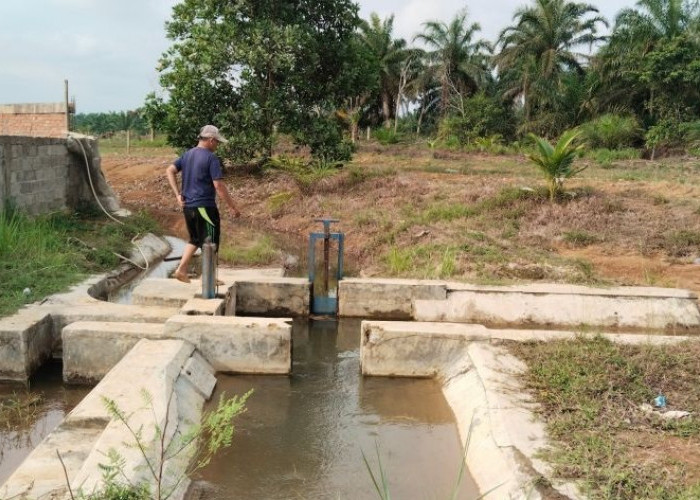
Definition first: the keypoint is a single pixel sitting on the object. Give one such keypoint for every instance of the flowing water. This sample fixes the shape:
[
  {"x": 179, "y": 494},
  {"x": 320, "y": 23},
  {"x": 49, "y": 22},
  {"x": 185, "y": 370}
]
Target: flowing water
[{"x": 303, "y": 436}]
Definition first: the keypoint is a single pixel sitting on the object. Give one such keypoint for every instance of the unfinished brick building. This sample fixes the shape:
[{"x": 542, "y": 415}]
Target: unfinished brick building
[{"x": 35, "y": 120}]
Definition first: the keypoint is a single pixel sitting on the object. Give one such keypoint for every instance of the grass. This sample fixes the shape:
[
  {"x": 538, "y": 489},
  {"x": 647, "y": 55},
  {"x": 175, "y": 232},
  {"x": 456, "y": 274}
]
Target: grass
[
  {"x": 580, "y": 238},
  {"x": 261, "y": 252},
  {"x": 44, "y": 255},
  {"x": 18, "y": 409},
  {"x": 590, "y": 390}
]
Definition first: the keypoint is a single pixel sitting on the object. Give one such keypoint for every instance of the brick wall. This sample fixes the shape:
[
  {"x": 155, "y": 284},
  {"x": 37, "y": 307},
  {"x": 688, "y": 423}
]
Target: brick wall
[
  {"x": 39, "y": 175},
  {"x": 33, "y": 120}
]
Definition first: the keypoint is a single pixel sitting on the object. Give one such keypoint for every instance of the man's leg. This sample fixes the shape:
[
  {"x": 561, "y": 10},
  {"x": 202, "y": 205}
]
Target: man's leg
[{"x": 181, "y": 271}]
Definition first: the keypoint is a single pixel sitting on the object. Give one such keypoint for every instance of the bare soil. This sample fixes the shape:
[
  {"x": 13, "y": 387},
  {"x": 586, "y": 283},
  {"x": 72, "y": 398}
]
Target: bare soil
[{"x": 633, "y": 222}]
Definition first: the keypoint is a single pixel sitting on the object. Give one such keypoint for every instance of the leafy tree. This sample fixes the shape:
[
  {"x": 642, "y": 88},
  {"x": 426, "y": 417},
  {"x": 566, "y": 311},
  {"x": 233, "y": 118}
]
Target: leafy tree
[
  {"x": 256, "y": 68},
  {"x": 556, "y": 162},
  {"x": 154, "y": 112},
  {"x": 459, "y": 62},
  {"x": 389, "y": 53}
]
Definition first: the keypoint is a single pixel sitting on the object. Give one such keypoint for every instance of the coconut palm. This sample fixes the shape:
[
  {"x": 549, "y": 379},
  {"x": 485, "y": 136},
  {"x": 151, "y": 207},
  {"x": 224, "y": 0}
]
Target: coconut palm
[
  {"x": 542, "y": 46},
  {"x": 390, "y": 52},
  {"x": 459, "y": 62}
]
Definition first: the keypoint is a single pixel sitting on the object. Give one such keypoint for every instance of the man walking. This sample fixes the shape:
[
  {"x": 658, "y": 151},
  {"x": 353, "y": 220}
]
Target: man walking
[{"x": 202, "y": 180}]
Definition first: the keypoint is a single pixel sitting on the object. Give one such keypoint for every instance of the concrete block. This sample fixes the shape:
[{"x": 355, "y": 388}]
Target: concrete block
[
  {"x": 273, "y": 296},
  {"x": 233, "y": 344},
  {"x": 205, "y": 307},
  {"x": 385, "y": 298},
  {"x": 200, "y": 374},
  {"x": 565, "y": 305},
  {"x": 26, "y": 341},
  {"x": 409, "y": 349},
  {"x": 92, "y": 348},
  {"x": 230, "y": 302},
  {"x": 164, "y": 292}
]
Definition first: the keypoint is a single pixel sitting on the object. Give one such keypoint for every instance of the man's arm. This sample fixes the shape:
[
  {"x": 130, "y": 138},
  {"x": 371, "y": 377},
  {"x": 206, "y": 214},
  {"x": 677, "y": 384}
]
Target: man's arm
[
  {"x": 171, "y": 172},
  {"x": 222, "y": 191}
]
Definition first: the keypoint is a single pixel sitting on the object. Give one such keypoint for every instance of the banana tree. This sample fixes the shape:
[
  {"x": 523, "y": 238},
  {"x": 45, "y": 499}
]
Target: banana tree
[{"x": 556, "y": 162}]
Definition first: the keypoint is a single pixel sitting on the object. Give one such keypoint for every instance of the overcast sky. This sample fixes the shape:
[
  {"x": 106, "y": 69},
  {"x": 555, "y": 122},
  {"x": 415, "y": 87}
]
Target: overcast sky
[{"x": 108, "y": 49}]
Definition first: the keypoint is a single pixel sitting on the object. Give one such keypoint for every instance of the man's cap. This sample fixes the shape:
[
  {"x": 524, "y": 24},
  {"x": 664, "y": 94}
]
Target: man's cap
[{"x": 211, "y": 132}]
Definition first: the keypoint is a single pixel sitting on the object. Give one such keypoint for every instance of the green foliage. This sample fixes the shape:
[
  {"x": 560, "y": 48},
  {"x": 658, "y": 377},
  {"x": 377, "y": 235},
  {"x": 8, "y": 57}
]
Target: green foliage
[
  {"x": 214, "y": 433},
  {"x": 556, "y": 163},
  {"x": 386, "y": 136},
  {"x": 611, "y": 131},
  {"x": 672, "y": 135},
  {"x": 262, "y": 251},
  {"x": 480, "y": 116},
  {"x": 607, "y": 156},
  {"x": 105, "y": 124},
  {"x": 46, "y": 254},
  {"x": 257, "y": 68}
]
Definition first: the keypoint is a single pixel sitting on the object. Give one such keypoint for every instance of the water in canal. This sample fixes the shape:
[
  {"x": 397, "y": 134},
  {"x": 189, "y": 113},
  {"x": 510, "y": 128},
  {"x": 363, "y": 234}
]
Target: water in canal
[{"x": 303, "y": 436}]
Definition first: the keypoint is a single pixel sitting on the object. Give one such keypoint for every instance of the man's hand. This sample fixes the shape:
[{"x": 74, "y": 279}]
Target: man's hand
[
  {"x": 236, "y": 212},
  {"x": 180, "y": 199}
]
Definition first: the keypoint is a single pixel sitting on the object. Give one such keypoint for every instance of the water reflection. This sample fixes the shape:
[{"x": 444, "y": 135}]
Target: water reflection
[
  {"x": 303, "y": 435},
  {"x": 34, "y": 422}
]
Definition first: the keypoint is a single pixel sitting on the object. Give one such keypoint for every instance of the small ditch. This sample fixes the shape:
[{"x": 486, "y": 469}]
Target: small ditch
[{"x": 303, "y": 436}]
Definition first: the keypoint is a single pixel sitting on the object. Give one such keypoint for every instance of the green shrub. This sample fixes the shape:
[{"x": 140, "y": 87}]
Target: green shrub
[
  {"x": 481, "y": 116},
  {"x": 612, "y": 132},
  {"x": 669, "y": 134},
  {"x": 386, "y": 136}
]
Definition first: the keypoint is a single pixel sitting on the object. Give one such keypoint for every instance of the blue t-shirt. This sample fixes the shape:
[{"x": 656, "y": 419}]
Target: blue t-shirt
[{"x": 200, "y": 168}]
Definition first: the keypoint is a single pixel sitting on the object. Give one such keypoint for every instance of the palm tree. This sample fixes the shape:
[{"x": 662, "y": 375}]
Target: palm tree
[
  {"x": 639, "y": 31},
  {"x": 459, "y": 63},
  {"x": 556, "y": 162},
  {"x": 541, "y": 46},
  {"x": 377, "y": 35}
]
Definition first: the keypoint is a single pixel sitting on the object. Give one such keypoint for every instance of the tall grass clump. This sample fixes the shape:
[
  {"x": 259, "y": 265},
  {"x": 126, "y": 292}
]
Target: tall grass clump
[
  {"x": 612, "y": 131},
  {"x": 47, "y": 254}
]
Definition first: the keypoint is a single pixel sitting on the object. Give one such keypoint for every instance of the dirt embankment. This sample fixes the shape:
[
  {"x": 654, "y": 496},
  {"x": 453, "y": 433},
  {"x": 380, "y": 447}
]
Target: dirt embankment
[{"x": 410, "y": 212}]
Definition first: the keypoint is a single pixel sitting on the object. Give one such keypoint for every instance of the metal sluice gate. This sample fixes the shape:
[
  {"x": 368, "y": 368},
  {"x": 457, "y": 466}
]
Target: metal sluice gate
[{"x": 323, "y": 301}]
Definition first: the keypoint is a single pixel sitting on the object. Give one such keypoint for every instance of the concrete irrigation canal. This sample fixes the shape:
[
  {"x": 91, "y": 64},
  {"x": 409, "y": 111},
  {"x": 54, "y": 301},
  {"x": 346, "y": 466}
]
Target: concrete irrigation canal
[{"x": 419, "y": 370}]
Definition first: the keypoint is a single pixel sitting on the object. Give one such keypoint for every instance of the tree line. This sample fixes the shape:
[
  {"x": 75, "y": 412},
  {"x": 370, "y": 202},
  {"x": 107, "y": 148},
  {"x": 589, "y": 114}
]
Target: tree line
[{"x": 316, "y": 72}]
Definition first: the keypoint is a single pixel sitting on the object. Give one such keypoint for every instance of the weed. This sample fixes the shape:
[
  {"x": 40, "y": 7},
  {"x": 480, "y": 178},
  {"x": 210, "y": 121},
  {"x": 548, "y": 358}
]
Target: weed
[
  {"x": 277, "y": 201},
  {"x": 263, "y": 251},
  {"x": 681, "y": 243},
  {"x": 579, "y": 238},
  {"x": 18, "y": 409}
]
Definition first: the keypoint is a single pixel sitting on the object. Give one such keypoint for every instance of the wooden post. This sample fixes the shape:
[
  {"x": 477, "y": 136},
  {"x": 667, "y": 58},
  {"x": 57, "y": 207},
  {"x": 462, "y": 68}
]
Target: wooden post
[{"x": 65, "y": 85}]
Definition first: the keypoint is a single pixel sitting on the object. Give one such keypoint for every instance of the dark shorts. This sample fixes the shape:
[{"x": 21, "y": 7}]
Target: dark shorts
[{"x": 199, "y": 227}]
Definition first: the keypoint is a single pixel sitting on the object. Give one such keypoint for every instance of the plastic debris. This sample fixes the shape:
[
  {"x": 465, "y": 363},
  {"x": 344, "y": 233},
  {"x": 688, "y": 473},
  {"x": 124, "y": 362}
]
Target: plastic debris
[
  {"x": 27, "y": 291},
  {"x": 660, "y": 401}
]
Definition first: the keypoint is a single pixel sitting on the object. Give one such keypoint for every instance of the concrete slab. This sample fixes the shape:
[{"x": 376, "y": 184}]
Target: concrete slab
[
  {"x": 385, "y": 298},
  {"x": 625, "y": 308},
  {"x": 164, "y": 292},
  {"x": 277, "y": 297},
  {"x": 237, "y": 345},
  {"x": 203, "y": 307}
]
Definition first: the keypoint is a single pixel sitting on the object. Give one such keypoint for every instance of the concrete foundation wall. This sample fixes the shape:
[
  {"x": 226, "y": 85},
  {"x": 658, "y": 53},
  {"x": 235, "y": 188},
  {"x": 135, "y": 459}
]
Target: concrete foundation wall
[
  {"x": 385, "y": 298},
  {"x": 273, "y": 297},
  {"x": 86, "y": 436},
  {"x": 565, "y": 305},
  {"x": 237, "y": 345}
]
